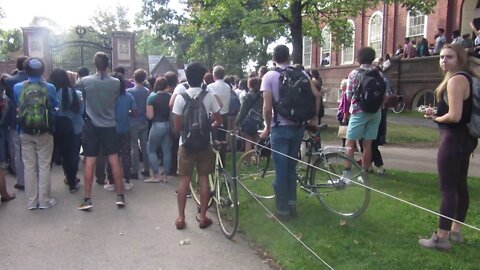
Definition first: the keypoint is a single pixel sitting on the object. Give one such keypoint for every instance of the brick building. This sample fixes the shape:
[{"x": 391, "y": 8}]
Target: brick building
[{"x": 383, "y": 28}]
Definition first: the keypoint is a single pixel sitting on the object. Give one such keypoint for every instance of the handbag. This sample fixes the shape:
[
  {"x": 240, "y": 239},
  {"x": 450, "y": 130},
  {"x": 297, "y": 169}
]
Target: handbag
[{"x": 342, "y": 132}]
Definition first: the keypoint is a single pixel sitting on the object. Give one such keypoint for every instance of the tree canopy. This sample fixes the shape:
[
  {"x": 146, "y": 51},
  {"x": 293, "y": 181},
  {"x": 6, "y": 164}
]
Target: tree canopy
[{"x": 231, "y": 32}]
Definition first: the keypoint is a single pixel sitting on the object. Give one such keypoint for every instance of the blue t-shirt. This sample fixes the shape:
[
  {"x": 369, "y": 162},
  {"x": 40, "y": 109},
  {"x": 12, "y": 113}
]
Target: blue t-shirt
[
  {"x": 124, "y": 104},
  {"x": 140, "y": 94}
]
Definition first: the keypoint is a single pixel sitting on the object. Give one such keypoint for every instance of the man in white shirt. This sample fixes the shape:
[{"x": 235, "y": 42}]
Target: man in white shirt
[
  {"x": 222, "y": 91},
  {"x": 203, "y": 161}
]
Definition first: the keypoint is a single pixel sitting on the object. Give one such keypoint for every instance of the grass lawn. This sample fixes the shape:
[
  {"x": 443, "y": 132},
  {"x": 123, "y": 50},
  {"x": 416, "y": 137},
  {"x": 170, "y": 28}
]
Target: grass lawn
[
  {"x": 397, "y": 134},
  {"x": 384, "y": 237}
]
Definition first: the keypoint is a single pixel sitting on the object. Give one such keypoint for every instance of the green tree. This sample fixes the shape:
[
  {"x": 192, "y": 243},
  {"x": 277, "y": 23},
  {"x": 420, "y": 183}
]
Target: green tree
[
  {"x": 304, "y": 17},
  {"x": 165, "y": 23},
  {"x": 10, "y": 41},
  {"x": 147, "y": 43},
  {"x": 104, "y": 22}
]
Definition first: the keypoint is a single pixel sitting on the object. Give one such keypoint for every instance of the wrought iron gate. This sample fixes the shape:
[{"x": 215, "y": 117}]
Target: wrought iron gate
[{"x": 72, "y": 55}]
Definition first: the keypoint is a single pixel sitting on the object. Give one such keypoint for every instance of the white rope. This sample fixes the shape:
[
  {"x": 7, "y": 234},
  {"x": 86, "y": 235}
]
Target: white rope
[
  {"x": 284, "y": 226},
  {"x": 365, "y": 186}
]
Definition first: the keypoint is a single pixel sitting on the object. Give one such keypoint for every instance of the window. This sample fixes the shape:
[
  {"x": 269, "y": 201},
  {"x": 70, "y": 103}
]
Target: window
[
  {"x": 307, "y": 52},
  {"x": 416, "y": 25},
  {"x": 375, "y": 33},
  {"x": 348, "y": 50},
  {"x": 327, "y": 47}
]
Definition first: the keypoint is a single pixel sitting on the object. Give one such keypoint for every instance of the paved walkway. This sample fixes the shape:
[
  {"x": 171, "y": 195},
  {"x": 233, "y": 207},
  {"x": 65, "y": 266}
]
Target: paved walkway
[{"x": 140, "y": 236}]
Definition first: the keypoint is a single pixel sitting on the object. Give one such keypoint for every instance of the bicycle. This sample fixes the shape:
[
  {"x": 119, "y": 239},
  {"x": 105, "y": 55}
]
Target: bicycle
[
  {"x": 396, "y": 103},
  {"x": 342, "y": 192},
  {"x": 223, "y": 192}
]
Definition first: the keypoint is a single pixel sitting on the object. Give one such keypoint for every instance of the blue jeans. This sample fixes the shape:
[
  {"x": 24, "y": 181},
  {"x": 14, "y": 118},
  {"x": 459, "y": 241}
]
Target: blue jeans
[
  {"x": 286, "y": 140},
  {"x": 160, "y": 136}
]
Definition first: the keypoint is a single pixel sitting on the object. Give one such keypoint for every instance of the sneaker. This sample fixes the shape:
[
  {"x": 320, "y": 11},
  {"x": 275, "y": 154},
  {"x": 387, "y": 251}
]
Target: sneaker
[
  {"x": 109, "y": 187},
  {"x": 189, "y": 194},
  {"x": 48, "y": 204},
  {"x": 85, "y": 204},
  {"x": 100, "y": 182},
  {"x": 455, "y": 237},
  {"x": 75, "y": 189},
  {"x": 436, "y": 242},
  {"x": 128, "y": 185},
  {"x": 77, "y": 180},
  {"x": 19, "y": 187},
  {"x": 32, "y": 207},
  {"x": 152, "y": 180},
  {"x": 381, "y": 172},
  {"x": 120, "y": 200}
]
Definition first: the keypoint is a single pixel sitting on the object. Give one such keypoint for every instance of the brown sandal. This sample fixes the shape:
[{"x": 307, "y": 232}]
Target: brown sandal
[
  {"x": 180, "y": 224},
  {"x": 205, "y": 223}
]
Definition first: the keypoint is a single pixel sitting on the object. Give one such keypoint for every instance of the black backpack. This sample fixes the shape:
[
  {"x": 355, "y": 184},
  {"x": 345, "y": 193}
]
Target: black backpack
[
  {"x": 196, "y": 124},
  {"x": 253, "y": 121},
  {"x": 297, "y": 102},
  {"x": 234, "y": 105},
  {"x": 370, "y": 91}
]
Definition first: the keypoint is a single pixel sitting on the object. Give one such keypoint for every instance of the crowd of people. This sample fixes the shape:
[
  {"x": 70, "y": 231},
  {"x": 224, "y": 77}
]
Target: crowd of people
[
  {"x": 420, "y": 47},
  {"x": 157, "y": 127}
]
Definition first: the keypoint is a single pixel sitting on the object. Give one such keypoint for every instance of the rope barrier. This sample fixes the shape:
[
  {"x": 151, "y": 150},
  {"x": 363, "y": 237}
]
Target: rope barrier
[
  {"x": 235, "y": 133},
  {"x": 365, "y": 186}
]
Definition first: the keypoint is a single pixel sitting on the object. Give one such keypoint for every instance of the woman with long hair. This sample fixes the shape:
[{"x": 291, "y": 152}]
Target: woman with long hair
[
  {"x": 252, "y": 100},
  {"x": 454, "y": 96},
  {"x": 158, "y": 112},
  {"x": 68, "y": 125}
]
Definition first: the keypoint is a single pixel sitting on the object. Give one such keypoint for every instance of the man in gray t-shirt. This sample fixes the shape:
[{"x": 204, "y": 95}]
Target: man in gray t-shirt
[{"x": 100, "y": 93}]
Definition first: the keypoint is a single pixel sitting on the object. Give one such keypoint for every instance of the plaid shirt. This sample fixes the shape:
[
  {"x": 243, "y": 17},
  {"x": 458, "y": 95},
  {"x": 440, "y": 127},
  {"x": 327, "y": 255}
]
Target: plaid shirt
[{"x": 352, "y": 82}]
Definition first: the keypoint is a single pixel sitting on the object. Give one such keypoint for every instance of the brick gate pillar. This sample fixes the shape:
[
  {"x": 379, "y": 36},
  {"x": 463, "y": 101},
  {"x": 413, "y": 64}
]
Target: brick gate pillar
[
  {"x": 36, "y": 44},
  {"x": 123, "y": 52}
]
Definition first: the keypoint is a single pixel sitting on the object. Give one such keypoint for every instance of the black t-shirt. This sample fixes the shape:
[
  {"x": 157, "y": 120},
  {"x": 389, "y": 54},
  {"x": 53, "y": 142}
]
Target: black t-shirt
[{"x": 159, "y": 101}]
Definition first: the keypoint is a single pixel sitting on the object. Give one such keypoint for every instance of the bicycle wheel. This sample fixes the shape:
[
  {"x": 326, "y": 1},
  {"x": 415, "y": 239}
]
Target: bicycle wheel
[
  {"x": 399, "y": 107},
  {"x": 195, "y": 188},
  {"x": 256, "y": 173},
  {"x": 226, "y": 201},
  {"x": 341, "y": 192}
]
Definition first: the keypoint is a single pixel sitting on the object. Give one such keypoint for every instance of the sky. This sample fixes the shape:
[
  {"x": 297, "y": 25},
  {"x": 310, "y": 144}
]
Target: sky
[{"x": 67, "y": 13}]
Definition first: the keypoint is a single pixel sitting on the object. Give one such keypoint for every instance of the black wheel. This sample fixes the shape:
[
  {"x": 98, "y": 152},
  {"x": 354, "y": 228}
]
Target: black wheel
[
  {"x": 256, "y": 173},
  {"x": 227, "y": 204},
  {"x": 195, "y": 188},
  {"x": 399, "y": 107},
  {"x": 342, "y": 192}
]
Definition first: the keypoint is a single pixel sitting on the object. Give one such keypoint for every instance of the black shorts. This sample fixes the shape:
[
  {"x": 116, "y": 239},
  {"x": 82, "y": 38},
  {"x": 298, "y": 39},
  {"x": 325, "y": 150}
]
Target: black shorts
[{"x": 96, "y": 137}]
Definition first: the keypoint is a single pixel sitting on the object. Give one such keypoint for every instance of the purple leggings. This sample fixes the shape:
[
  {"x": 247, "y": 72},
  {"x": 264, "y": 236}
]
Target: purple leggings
[{"x": 453, "y": 159}]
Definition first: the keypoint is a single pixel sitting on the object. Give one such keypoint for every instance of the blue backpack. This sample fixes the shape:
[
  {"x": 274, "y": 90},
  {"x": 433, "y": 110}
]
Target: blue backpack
[{"x": 234, "y": 106}]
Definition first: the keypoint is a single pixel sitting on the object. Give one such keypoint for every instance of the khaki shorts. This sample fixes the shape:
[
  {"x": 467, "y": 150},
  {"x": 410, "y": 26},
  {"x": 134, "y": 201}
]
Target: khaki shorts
[{"x": 204, "y": 162}]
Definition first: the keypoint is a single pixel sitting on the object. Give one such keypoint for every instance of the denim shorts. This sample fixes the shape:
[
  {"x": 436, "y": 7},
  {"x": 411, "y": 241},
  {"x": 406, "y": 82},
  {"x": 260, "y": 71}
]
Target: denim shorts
[{"x": 363, "y": 125}]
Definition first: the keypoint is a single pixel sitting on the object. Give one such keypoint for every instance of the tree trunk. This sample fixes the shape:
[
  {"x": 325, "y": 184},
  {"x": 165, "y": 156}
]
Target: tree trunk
[{"x": 296, "y": 31}]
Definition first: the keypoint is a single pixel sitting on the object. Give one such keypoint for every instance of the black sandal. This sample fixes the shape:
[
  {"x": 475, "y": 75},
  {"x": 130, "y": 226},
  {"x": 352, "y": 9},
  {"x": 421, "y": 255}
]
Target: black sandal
[{"x": 11, "y": 197}]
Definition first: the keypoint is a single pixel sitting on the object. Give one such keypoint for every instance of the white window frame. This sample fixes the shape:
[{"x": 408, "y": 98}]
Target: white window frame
[
  {"x": 329, "y": 49},
  {"x": 425, "y": 26},
  {"x": 378, "y": 53},
  {"x": 351, "y": 47},
  {"x": 307, "y": 52}
]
